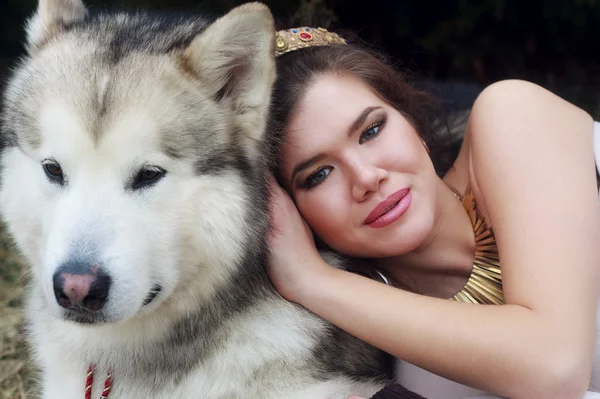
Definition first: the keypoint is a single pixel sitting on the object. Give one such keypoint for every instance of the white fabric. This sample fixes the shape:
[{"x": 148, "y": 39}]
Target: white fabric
[
  {"x": 597, "y": 145},
  {"x": 595, "y": 382},
  {"x": 433, "y": 386}
]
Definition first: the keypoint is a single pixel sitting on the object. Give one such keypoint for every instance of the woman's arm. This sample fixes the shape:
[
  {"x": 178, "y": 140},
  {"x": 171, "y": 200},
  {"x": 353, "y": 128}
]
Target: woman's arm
[
  {"x": 538, "y": 188},
  {"x": 532, "y": 160}
]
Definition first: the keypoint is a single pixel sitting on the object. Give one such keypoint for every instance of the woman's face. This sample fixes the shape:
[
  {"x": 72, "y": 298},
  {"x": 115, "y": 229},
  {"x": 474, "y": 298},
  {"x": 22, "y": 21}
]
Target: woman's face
[{"x": 358, "y": 171}]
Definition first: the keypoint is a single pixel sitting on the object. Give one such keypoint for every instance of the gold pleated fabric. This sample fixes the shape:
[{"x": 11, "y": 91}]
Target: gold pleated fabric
[{"x": 485, "y": 284}]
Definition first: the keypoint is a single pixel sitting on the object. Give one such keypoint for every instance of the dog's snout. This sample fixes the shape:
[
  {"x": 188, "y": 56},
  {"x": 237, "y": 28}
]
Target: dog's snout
[{"x": 80, "y": 286}]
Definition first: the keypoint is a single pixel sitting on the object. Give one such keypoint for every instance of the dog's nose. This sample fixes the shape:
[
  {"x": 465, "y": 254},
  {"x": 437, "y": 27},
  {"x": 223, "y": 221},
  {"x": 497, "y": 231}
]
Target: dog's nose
[{"x": 77, "y": 286}]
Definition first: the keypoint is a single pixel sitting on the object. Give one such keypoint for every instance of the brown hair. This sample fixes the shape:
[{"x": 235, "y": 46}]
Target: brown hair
[{"x": 297, "y": 70}]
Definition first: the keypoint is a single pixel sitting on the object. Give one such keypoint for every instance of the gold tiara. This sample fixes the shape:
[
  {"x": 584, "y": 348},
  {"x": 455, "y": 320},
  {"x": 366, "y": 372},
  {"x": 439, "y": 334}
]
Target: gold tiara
[{"x": 296, "y": 38}]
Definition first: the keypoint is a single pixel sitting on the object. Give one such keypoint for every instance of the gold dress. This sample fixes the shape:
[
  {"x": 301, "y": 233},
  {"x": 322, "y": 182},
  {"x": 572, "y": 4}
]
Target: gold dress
[{"x": 485, "y": 283}]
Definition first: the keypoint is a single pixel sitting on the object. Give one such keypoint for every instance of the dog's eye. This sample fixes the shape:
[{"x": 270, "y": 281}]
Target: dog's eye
[
  {"x": 148, "y": 176},
  {"x": 54, "y": 171}
]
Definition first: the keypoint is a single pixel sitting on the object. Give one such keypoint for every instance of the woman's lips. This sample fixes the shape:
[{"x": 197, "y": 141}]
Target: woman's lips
[{"x": 390, "y": 209}]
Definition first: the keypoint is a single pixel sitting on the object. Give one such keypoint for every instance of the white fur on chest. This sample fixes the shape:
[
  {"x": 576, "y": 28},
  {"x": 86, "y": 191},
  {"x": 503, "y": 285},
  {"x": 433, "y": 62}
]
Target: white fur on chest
[
  {"x": 244, "y": 366},
  {"x": 595, "y": 380}
]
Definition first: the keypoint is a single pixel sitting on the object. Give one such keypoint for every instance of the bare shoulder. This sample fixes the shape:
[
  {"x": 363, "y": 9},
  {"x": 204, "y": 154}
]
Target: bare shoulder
[
  {"x": 512, "y": 119},
  {"x": 514, "y": 106},
  {"x": 518, "y": 128},
  {"x": 532, "y": 168}
]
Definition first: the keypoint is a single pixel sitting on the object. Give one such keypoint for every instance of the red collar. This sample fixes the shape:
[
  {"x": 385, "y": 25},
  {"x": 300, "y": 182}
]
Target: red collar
[{"x": 89, "y": 379}]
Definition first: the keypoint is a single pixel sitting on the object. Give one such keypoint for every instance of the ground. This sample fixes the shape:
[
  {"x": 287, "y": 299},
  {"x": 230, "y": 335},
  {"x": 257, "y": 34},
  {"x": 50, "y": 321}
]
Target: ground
[{"x": 17, "y": 375}]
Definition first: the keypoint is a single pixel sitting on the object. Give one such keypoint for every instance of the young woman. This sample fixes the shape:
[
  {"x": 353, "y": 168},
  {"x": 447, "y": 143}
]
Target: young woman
[{"x": 492, "y": 270}]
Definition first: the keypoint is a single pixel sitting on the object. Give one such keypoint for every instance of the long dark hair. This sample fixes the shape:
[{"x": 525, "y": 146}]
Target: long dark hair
[{"x": 298, "y": 69}]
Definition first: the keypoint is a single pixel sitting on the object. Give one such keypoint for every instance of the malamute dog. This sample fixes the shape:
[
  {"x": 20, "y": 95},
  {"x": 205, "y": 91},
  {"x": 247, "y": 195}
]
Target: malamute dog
[{"x": 133, "y": 183}]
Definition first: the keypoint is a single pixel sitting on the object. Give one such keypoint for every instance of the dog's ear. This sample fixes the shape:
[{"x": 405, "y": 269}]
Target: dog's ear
[
  {"x": 234, "y": 60},
  {"x": 51, "y": 17}
]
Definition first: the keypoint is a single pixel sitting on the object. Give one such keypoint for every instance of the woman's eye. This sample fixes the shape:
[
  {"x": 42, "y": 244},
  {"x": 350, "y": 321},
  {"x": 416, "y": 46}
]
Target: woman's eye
[
  {"x": 370, "y": 132},
  {"x": 318, "y": 177},
  {"x": 148, "y": 176},
  {"x": 53, "y": 171}
]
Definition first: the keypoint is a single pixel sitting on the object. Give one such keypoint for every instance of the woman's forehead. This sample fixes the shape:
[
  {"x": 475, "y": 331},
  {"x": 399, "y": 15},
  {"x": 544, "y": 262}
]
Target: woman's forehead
[
  {"x": 323, "y": 117},
  {"x": 332, "y": 101}
]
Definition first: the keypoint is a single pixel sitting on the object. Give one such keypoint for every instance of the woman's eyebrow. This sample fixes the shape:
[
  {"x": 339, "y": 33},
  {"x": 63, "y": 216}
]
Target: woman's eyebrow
[
  {"x": 305, "y": 164},
  {"x": 358, "y": 122}
]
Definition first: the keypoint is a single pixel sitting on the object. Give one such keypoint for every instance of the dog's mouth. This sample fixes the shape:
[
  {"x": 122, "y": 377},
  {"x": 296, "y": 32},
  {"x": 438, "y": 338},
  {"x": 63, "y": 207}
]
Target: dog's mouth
[
  {"x": 152, "y": 294},
  {"x": 83, "y": 316}
]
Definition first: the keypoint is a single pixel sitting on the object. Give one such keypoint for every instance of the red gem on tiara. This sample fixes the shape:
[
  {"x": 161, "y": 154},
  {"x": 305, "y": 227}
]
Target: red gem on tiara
[{"x": 305, "y": 36}]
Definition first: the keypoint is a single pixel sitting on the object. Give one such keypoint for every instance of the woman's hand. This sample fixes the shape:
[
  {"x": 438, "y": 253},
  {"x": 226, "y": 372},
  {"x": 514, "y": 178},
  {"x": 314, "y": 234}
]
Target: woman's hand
[{"x": 294, "y": 261}]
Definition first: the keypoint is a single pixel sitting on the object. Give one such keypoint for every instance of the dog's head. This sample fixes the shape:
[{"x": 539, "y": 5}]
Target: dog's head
[{"x": 133, "y": 164}]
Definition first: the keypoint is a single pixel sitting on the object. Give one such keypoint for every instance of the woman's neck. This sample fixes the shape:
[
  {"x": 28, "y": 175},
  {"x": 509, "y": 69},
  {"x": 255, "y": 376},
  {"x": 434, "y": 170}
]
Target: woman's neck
[{"x": 441, "y": 266}]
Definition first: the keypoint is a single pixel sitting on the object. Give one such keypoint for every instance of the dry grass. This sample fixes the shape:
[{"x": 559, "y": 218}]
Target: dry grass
[{"x": 17, "y": 376}]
